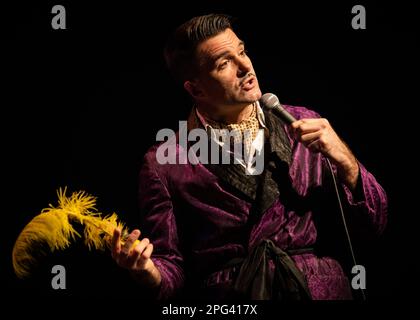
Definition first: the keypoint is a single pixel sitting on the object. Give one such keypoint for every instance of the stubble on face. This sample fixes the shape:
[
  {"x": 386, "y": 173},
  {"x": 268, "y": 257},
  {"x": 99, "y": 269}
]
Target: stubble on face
[{"x": 227, "y": 75}]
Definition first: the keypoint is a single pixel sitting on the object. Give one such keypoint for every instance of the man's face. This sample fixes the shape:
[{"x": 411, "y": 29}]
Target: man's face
[{"x": 226, "y": 77}]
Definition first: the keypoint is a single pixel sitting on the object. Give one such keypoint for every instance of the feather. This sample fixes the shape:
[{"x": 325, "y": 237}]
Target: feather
[{"x": 53, "y": 228}]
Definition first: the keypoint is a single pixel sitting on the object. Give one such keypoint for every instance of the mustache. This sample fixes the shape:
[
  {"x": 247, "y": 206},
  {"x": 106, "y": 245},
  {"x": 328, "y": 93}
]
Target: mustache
[{"x": 246, "y": 77}]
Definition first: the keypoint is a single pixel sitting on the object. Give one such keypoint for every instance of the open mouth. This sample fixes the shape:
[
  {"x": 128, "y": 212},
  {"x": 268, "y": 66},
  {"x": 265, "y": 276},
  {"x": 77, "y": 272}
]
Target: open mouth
[{"x": 249, "y": 84}]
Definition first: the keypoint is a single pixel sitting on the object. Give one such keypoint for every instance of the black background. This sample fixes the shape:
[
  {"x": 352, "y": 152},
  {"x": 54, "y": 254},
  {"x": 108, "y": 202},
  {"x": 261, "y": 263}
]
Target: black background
[{"x": 82, "y": 106}]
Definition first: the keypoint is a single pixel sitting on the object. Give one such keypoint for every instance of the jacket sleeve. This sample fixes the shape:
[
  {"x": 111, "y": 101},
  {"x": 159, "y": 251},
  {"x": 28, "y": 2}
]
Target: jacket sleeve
[
  {"x": 368, "y": 198},
  {"x": 158, "y": 223},
  {"x": 368, "y": 203}
]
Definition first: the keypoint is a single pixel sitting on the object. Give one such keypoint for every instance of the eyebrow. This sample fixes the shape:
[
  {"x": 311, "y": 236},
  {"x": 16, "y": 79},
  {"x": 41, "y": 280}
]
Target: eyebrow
[{"x": 226, "y": 53}]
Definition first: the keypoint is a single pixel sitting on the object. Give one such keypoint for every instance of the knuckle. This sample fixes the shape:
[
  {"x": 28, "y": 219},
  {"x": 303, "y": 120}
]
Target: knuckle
[{"x": 115, "y": 253}]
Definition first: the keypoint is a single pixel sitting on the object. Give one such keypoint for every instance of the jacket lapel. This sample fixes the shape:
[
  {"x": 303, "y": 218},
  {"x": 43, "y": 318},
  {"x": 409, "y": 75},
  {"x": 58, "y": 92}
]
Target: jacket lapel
[{"x": 260, "y": 189}]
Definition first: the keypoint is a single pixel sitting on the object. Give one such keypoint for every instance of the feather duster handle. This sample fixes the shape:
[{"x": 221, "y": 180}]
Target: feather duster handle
[{"x": 53, "y": 227}]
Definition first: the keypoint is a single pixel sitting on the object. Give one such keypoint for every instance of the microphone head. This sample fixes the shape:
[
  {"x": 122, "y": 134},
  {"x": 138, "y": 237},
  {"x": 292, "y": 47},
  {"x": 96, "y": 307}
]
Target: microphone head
[{"x": 270, "y": 101}]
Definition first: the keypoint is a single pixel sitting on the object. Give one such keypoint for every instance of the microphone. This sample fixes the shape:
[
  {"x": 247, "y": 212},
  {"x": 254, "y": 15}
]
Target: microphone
[{"x": 271, "y": 102}]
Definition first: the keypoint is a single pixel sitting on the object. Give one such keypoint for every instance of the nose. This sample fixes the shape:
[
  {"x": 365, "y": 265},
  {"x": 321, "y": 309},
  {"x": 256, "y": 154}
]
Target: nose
[{"x": 244, "y": 66}]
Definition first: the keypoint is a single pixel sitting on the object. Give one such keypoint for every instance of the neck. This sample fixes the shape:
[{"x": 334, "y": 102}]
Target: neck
[{"x": 234, "y": 115}]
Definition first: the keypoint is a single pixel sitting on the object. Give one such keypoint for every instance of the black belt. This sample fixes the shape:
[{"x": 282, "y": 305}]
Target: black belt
[{"x": 253, "y": 281}]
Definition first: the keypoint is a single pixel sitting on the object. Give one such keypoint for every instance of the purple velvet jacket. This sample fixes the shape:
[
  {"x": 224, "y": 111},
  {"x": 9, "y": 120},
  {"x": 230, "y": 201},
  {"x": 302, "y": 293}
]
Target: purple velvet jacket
[{"x": 196, "y": 223}]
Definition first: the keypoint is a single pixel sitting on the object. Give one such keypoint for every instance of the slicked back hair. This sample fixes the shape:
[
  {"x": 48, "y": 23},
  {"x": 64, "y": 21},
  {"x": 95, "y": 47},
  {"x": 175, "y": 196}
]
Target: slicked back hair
[{"x": 180, "y": 50}]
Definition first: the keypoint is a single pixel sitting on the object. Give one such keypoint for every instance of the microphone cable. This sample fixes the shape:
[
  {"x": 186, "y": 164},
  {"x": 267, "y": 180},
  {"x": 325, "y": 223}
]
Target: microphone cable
[
  {"x": 271, "y": 102},
  {"x": 344, "y": 220}
]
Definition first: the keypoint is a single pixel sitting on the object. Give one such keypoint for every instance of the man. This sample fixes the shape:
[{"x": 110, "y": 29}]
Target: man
[{"x": 217, "y": 231}]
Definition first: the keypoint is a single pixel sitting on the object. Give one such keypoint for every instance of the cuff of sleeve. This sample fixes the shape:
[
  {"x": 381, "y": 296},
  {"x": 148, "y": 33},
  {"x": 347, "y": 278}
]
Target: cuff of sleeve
[
  {"x": 164, "y": 288},
  {"x": 357, "y": 196}
]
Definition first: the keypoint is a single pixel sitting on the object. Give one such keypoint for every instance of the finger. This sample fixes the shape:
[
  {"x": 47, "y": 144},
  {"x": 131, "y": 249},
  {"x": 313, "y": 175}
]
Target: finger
[
  {"x": 147, "y": 253},
  {"x": 308, "y": 127},
  {"x": 130, "y": 241},
  {"x": 132, "y": 258},
  {"x": 116, "y": 245},
  {"x": 142, "y": 245},
  {"x": 296, "y": 124},
  {"x": 137, "y": 251},
  {"x": 145, "y": 256},
  {"x": 307, "y": 138},
  {"x": 321, "y": 121},
  {"x": 314, "y": 146}
]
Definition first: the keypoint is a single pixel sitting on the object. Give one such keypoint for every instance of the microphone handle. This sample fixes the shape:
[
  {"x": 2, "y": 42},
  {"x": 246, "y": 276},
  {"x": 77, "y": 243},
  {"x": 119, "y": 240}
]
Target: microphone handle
[{"x": 283, "y": 114}]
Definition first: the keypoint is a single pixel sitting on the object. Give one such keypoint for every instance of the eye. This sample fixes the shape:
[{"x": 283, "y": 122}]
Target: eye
[
  {"x": 223, "y": 64},
  {"x": 243, "y": 53}
]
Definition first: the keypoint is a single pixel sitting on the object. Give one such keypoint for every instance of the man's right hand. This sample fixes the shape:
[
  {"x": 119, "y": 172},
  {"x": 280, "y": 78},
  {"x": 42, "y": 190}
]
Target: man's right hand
[{"x": 136, "y": 257}]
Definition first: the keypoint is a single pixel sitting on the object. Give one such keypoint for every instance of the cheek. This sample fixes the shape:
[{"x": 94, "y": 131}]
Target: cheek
[
  {"x": 222, "y": 83},
  {"x": 229, "y": 81}
]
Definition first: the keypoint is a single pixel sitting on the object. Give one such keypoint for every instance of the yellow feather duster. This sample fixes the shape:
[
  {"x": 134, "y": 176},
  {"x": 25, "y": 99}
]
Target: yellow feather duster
[{"x": 53, "y": 227}]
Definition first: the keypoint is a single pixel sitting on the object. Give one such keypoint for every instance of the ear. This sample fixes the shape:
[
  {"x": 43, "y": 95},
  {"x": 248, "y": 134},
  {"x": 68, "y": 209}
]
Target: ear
[{"x": 193, "y": 89}]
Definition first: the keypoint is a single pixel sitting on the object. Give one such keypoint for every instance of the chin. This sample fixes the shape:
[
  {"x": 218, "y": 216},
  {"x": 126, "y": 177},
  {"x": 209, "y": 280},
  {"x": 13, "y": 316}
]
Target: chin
[{"x": 254, "y": 95}]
